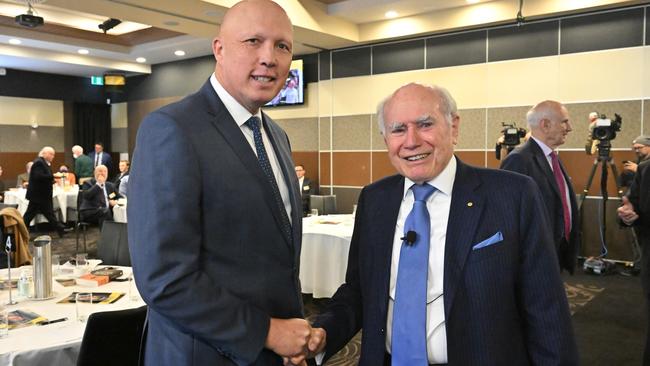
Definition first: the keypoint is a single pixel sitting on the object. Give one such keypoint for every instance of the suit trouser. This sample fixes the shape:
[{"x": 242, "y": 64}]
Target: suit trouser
[
  {"x": 45, "y": 208},
  {"x": 644, "y": 241},
  {"x": 97, "y": 215}
]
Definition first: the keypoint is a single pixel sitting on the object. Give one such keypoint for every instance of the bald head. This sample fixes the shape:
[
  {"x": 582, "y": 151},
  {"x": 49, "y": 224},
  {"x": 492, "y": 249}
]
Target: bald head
[
  {"x": 253, "y": 52},
  {"x": 549, "y": 122}
]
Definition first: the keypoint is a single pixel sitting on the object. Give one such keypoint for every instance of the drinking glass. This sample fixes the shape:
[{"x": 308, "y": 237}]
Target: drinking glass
[
  {"x": 133, "y": 290},
  {"x": 314, "y": 212},
  {"x": 82, "y": 262},
  {"x": 56, "y": 262},
  {"x": 83, "y": 303}
]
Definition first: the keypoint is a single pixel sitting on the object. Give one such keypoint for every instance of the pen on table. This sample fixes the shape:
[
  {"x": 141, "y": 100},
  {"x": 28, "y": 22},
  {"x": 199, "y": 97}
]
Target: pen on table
[{"x": 46, "y": 322}]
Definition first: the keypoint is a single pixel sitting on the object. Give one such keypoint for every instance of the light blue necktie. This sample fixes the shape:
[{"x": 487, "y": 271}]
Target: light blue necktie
[
  {"x": 254, "y": 124},
  {"x": 409, "y": 337}
]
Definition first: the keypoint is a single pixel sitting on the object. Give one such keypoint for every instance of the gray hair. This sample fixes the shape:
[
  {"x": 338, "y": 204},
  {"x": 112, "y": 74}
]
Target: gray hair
[
  {"x": 46, "y": 149},
  {"x": 542, "y": 110},
  {"x": 78, "y": 148},
  {"x": 448, "y": 106}
]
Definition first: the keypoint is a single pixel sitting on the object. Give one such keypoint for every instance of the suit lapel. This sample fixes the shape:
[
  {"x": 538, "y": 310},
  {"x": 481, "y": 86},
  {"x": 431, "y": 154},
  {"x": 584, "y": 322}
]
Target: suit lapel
[
  {"x": 232, "y": 134},
  {"x": 464, "y": 214}
]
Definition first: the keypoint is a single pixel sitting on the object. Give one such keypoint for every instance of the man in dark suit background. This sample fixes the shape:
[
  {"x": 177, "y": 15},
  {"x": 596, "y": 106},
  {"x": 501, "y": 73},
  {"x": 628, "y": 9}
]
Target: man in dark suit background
[
  {"x": 490, "y": 291},
  {"x": 101, "y": 157},
  {"x": 636, "y": 211},
  {"x": 99, "y": 197},
  {"x": 39, "y": 190},
  {"x": 306, "y": 188},
  {"x": 216, "y": 250},
  {"x": 549, "y": 125}
]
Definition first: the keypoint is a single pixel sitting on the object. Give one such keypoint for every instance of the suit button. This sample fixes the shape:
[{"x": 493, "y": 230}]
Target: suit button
[{"x": 381, "y": 331}]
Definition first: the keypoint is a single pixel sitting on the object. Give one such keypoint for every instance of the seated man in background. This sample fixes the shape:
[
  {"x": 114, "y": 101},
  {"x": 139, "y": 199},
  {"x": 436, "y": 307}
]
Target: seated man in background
[
  {"x": 65, "y": 173},
  {"x": 124, "y": 172},
  {"x": 23, "y": 179},
  {"x": 99, "y": 197}
]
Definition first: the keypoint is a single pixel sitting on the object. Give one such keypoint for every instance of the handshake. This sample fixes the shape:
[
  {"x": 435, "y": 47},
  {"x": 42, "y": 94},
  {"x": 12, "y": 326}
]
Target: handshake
[{"x": 295, "y": 340}]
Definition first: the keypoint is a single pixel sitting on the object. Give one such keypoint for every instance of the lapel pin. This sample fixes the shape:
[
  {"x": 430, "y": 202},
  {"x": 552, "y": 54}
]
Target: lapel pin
[{"x": 470, "y": 204}]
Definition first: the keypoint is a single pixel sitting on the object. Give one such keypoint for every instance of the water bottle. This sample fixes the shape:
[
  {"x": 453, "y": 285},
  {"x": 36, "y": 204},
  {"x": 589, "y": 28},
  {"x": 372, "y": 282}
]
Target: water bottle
[
  {"x": 23, "y": 285},
  {"x": 43, "y": 267}
]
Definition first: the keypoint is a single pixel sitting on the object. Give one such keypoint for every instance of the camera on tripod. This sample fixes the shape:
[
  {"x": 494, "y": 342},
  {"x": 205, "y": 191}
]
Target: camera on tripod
[
  {"x": 512, "y": 134},
  {"x": 605, "y": 129}
]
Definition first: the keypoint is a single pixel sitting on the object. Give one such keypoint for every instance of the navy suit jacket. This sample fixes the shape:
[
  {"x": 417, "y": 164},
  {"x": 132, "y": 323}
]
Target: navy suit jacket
[
  {"x": 93, "y": 195},
  {"x": 208, "y": 252},
  {"x": 504, "y": 304},
  {"x": 529, "y": 159},
  {"x": 106, "y": 159}
]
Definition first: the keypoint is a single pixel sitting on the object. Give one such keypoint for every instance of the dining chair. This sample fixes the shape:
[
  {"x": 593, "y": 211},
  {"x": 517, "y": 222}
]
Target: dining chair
[{"x": 113, "y": 244}]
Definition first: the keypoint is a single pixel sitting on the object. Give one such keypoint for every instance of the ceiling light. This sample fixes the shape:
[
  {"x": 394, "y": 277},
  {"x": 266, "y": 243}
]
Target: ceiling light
[
  {"x": 15, "y": 41},
  {"x": 83, "y": 51},
  {"x": 179, "y": 53},
  {"x": 391, "y": 14},
  {"x": 141, "y": 60},
  {"x": 473, "y": 1}
]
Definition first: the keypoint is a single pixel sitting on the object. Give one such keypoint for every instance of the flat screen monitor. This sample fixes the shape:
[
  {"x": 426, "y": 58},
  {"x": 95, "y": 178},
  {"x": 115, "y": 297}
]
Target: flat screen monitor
[{"x": 292, "y": 92}]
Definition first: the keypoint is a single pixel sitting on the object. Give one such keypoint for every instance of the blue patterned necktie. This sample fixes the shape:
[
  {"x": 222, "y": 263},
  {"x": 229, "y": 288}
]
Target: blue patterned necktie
[
  {"x": 254, "y": 124},
  {"x": 409, "y": 337}
]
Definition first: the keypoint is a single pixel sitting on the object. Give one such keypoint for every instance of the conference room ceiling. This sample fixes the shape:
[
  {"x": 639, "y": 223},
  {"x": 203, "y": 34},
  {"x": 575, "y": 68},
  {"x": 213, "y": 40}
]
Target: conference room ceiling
[{"x": 155, "y": 29}]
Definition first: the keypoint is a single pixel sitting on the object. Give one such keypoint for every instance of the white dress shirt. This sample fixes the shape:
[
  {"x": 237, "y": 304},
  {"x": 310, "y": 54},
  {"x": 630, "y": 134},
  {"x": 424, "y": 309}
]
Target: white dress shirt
[
  {"x": 547, "y": 153},
  {"x": 438, "y": 205},
  {"x": 241, "y": 115}
]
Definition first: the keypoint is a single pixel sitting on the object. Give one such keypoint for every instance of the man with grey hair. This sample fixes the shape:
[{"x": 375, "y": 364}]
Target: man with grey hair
[
  {"x": 39, "y": 190},
  {"x": 641, "y": 147},
  {"x": 537, "y": 158},
  {"x": 83, "y": 165},
  {"x": 445, "y": 265},
  {"x": 23, "y": 179}
]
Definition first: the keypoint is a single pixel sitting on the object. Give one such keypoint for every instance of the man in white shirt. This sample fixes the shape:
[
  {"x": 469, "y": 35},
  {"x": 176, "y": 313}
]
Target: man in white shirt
[{"x": 448, "y": 264}]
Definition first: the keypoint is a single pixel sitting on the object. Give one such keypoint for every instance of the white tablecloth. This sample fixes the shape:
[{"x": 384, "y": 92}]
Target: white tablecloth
[
  {"x": 61, "y": 199},
  {"x": 324, "y": 256},
  {"x": 58, "y": 343}
]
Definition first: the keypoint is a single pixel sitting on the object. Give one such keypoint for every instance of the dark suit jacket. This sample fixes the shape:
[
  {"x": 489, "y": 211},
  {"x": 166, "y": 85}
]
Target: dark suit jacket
[
  {"x": 504, "y": 304},
  {"x": 209, "y": 256},
  {"x": 639, "y": 195},
  {"x": 41, "y": 179},
  {"x": 106, "y": 159},
  {"x": 93, "y": 195},
  {"x": 529, "y": 159},
  {"x": 307, "y": 189}
]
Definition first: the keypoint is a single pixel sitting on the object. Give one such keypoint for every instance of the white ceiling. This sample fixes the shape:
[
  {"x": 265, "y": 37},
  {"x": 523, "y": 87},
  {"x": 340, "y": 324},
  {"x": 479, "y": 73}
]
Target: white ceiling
[{"x": 318, "y": 26}]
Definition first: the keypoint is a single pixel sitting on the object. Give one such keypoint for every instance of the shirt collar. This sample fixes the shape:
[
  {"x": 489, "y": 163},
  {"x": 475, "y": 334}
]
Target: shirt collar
[
  {"x": 444, "y": 182},
  {"x": 545, "y": 149},
  {"x": 236, "y": 110}
]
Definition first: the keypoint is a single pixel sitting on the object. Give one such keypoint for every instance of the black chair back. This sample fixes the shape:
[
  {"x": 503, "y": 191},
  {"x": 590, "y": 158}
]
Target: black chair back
[
  {"x": 113, "y": 338},
  {"x": 113, "y": 244}
]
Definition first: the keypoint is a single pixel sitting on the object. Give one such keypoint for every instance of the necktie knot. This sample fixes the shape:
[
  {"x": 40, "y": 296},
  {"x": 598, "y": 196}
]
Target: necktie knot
[
  {"x": 422, "y": 192},
  {"x": 253, "y": 123}
]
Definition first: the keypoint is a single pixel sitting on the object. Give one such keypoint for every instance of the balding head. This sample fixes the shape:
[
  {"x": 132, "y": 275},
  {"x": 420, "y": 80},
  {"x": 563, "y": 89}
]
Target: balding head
[
  {"x": 549, "y": 122},
  {"x": 47, "y": 153},
  {"x": 253, "y": 52}
]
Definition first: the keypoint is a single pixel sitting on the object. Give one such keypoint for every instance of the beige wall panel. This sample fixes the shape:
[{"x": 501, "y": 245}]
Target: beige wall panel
[
  {"x": 646, "y": 117},
  {"x": 629, "y": 110},
  {"x": 302, "y": 132},
  {"x": 25, "y": 111},
  {"x": 602, "y": 75},
  {"x": 119, "y": 140},
  {"x": 324, "y": 96},
  {"x": 472, "y": 129},
  {"x": 521, "y": 82},
  {"x": 119, "y": 115},
  {"x": 646, "y": 70},
  {"x": 351, "y": 132},
  {"x": 324, "y": 132},
  {"x": 309, "y": 109},
  {"x": 25, "y": 139},
  {"x": 506, "y": 114},
  {"x": 376, "y": 138},
  {"x": 467, "y": 84}
]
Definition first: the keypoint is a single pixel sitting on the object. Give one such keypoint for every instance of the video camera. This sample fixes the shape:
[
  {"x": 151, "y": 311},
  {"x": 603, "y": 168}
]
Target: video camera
[
  {"x": 605, "y": 129},
  {"x": 512, "y": 134}
]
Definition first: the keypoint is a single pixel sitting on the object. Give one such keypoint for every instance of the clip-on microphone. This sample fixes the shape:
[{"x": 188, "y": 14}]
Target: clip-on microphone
[{"x": 409, "y": 237}]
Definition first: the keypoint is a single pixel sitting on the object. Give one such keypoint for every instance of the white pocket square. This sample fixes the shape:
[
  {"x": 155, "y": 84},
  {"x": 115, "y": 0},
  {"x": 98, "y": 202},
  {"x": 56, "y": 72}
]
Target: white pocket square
[{"x": 494, "y": 239}]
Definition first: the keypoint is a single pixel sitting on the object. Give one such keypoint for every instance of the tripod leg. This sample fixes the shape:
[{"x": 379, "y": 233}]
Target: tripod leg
[{"x": 589, "y": 180}]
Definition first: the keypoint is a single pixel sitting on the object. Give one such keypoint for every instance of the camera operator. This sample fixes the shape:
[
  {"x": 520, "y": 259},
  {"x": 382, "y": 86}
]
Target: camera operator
[
  {"x": 641, "y": 146},
  {"x": 591, "y": 145},
  {"x": 510, "y": 138},
  {"x": 549, "y": 125},
  {"x": 636, "y": 211}
]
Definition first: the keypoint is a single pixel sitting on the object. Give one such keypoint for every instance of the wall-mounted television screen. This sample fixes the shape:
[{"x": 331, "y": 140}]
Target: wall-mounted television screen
[{"x": 292, "y": 92}]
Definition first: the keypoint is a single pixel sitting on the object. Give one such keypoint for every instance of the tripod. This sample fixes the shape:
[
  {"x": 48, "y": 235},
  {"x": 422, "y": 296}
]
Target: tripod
[{"x": 605, "y": 160}]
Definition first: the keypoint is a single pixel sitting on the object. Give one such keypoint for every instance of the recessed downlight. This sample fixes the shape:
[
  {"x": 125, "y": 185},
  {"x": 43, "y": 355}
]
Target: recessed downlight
[
  {"x": 15, "y": 41},
  {"x": 179, "y": 53},
  {"x": 83, "y": 51},
  {"x": 141, "y": 60},
  {"x": 391, "y": 14}
]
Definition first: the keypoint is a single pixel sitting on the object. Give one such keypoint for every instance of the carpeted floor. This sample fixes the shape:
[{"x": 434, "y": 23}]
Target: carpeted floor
[{"x": 608, "y": 312}]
